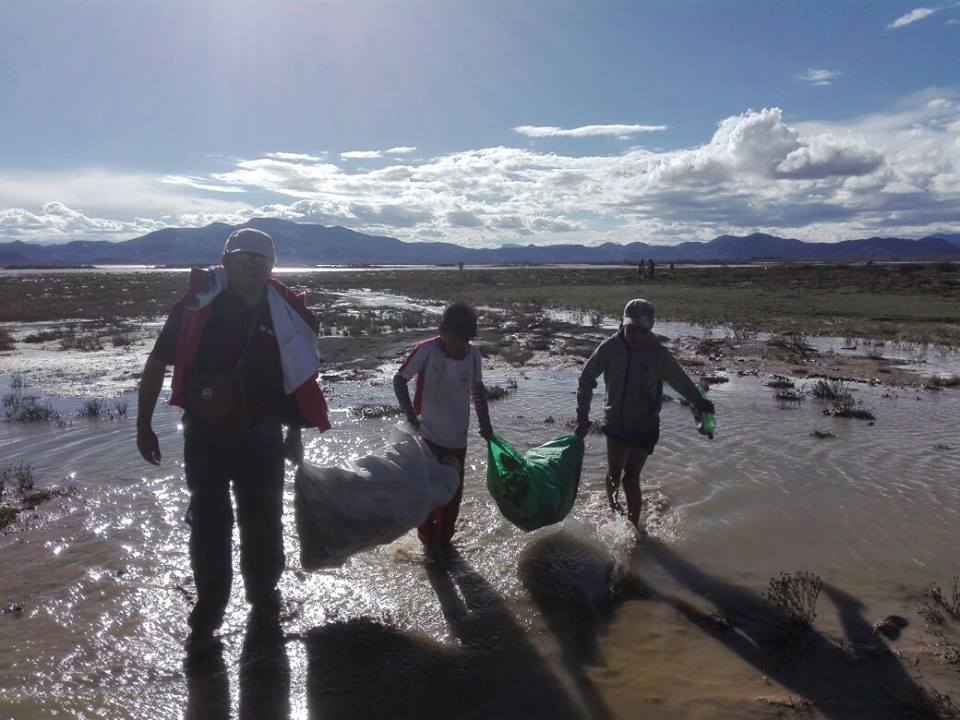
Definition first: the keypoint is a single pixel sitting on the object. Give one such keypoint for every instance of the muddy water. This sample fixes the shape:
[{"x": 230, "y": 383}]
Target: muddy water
[{"x": 577, "y": 620}]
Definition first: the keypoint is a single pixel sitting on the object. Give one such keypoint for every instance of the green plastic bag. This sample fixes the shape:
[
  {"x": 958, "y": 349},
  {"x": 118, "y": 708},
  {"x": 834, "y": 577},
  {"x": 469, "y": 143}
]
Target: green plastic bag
[{"x": 537, "y": 488}]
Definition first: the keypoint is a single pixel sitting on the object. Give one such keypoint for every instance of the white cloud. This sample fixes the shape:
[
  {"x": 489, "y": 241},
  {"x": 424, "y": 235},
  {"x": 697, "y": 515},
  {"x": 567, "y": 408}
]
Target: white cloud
[
  {"x": 103, "y": 193},
  {"x": 296, "y": 157},
  {"x": 547, "y": 131},
  {"x": 55, "y": 222},
  {"x": 912, "y": 17},
  {"x": 360, "y": 155},
  {"x": 198, "y": 184},
  {"x": 896, "y": 172},
  {"x": 819, "y": 76},
  {"x": 401, "y": 150}
]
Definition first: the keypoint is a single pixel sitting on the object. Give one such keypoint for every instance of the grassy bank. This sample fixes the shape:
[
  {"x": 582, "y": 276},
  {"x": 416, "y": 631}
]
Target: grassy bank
[{"x": 913, "y": 302}]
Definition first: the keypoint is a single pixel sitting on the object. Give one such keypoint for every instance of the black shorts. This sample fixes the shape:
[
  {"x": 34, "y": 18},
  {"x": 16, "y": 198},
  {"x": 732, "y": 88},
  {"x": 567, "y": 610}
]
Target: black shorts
[{"x": 645, "y": 440}]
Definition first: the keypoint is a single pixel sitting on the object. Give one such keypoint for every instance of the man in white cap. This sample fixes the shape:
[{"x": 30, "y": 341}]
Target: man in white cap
[
  {"x": 634, "y": 365},
  {"x": 244, "y": 354}
]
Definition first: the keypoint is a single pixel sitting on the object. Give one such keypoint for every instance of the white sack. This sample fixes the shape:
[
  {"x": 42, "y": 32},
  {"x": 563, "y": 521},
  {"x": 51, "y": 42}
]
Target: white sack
[{"x": 372, "y": 501}]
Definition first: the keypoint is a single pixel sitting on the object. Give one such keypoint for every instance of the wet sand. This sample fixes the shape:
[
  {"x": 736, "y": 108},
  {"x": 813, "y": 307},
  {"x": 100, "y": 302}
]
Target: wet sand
[{"x": 583, "y": 619}]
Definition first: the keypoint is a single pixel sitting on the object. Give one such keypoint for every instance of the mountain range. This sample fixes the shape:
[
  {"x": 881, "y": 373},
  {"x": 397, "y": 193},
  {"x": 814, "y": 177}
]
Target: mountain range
[{"x": 304, "y": 244}]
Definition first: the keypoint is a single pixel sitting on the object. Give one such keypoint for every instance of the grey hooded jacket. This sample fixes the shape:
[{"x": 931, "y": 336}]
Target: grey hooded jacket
[{"x": 634, "y": 380}]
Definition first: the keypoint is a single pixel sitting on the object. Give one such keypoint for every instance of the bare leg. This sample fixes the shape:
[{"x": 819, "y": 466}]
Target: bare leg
[
  {"x": 616, "y": 457},
  {"x": 631, "y": 483}
]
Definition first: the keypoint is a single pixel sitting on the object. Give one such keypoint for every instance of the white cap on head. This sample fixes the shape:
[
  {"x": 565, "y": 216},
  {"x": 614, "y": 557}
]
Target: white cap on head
[
  {"x": 250, "y": 240},
  {"x": 639, "y": 312}
]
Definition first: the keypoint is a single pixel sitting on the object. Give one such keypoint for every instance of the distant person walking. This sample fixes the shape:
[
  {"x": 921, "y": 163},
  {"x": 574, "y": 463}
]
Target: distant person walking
[
  {"x": 653, "y": 268},
  {"x": 634, "y": 365},
  {"x": 642, "y": 268},
  {"x": 244, "y": 354},
  {"x": 449, "y": 375}
]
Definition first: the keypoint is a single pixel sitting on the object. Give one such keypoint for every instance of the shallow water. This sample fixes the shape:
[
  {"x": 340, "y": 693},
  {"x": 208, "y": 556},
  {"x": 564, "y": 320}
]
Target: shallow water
[{"x": 517, "y": 624}]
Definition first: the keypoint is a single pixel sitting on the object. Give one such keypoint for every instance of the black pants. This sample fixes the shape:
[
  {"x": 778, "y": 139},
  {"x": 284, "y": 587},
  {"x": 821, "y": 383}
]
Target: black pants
[{"x": 255, "y": 465}]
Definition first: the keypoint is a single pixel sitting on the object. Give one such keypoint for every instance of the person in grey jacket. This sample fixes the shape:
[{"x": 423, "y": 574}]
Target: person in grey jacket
[{"x": 634, "y": 365}]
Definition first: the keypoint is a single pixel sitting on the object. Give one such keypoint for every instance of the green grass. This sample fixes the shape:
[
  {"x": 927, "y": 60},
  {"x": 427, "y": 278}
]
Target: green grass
[{"x": 920, "y": 304}]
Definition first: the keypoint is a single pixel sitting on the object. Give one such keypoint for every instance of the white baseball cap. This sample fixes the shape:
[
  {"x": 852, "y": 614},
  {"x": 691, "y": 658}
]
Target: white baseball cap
[{"x": 250, "y": 240}]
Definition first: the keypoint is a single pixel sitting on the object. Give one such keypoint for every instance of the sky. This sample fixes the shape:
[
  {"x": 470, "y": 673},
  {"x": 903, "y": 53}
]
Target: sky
[{"x": 482, "y": 123}]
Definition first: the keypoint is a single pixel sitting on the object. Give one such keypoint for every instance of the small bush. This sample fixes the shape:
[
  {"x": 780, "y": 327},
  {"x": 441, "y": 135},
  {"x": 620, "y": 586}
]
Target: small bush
[
  {"x": 829, "y": 389},
  {"x": 796, "y": 594},
  {"x": 848, "y": 409},
  {"x": 6, "y": 341},
  {"x": 822, "y": 434},
  {"x": 780, "y": 383},
  {"x": 936, "y": 606},
  {"x": 27, "y": 408},
  {"x": 121, "y": 339},
  {"x": 499, "y": 392},
  {"x": 789, "y": 396},
  {"x": 369, "y": 412},
  {"x": 714, "y": 379},
  {"x": 71, "y": 340},
  {"x": 43, "y": 336},
  {"x": 936, "y": 382},
  {"x": 93, "y": 408},
  {"x": 7, "y": 515},
  {"x": 120, "y": 408},
  {"x": 21, "y": 475}
]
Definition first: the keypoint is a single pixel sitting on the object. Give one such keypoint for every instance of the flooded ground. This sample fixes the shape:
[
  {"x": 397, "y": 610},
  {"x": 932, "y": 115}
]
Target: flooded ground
[{"x": 582, "y": 619}]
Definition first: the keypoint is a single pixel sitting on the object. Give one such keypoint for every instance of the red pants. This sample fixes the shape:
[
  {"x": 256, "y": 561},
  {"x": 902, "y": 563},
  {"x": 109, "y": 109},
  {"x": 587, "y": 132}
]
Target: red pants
[{"x": 438, "y": 529}]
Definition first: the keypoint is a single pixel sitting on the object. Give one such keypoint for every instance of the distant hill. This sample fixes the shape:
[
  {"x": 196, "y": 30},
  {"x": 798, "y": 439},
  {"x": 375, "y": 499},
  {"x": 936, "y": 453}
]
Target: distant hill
[
  {"x": 302, "y": 244},
  {"x": 952, "y": 238}
]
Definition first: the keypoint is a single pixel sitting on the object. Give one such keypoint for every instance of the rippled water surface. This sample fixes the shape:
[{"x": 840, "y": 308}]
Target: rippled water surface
[{"x": 573, "y": 620}]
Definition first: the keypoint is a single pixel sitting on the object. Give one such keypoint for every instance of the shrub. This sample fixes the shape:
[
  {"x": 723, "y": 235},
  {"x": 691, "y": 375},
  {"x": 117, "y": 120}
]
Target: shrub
[
  {"x": 499, "y": 392},
  {"x": 847, "y": 409},
  {"x": 21, "y": 475},
  {"x": 72, "y": 340},
  {"x": 796, "y": 594},
  {"x": 6, "y": 340},
  {"x": 120, "y": 408},
  {"x": 789, "y": 396},
  {"x": 936, "y": 382},
  {"x": 829, "y": 389},
  {"x": 369, "y": 412},
  {"x": 935, "y": 605},
  {"x": 93, "y": 408},
  {"x": 715, "y": 379},
  {"x": 780, "y": 383},
  {"x": 27, "y": 408}
]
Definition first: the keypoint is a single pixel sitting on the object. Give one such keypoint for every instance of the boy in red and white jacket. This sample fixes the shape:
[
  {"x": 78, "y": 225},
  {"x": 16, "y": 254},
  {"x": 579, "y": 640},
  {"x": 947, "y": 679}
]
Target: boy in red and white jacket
[{"x": 448, "y": 373}]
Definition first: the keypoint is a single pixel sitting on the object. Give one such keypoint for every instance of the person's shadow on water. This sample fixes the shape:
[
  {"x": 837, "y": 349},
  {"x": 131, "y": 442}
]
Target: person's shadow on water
[
  {"x": 364, "y": 668},
  {"x": 208, "y": 687},
  {"x": 264, "y": 672},
  {"x": 859, "y": 678},
  {"x": 264, "y": 678},
  {"x": 574, "y": 584}
]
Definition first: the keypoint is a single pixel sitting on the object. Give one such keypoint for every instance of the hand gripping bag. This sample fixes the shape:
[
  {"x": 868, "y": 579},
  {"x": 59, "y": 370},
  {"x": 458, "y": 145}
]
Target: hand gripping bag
[
  {"x": 538, "y": 487},
  {"x": 372, "y": 501}
]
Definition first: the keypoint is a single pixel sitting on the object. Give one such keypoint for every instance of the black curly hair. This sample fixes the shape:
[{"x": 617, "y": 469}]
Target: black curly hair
[{"x": 459, "y": 319}]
